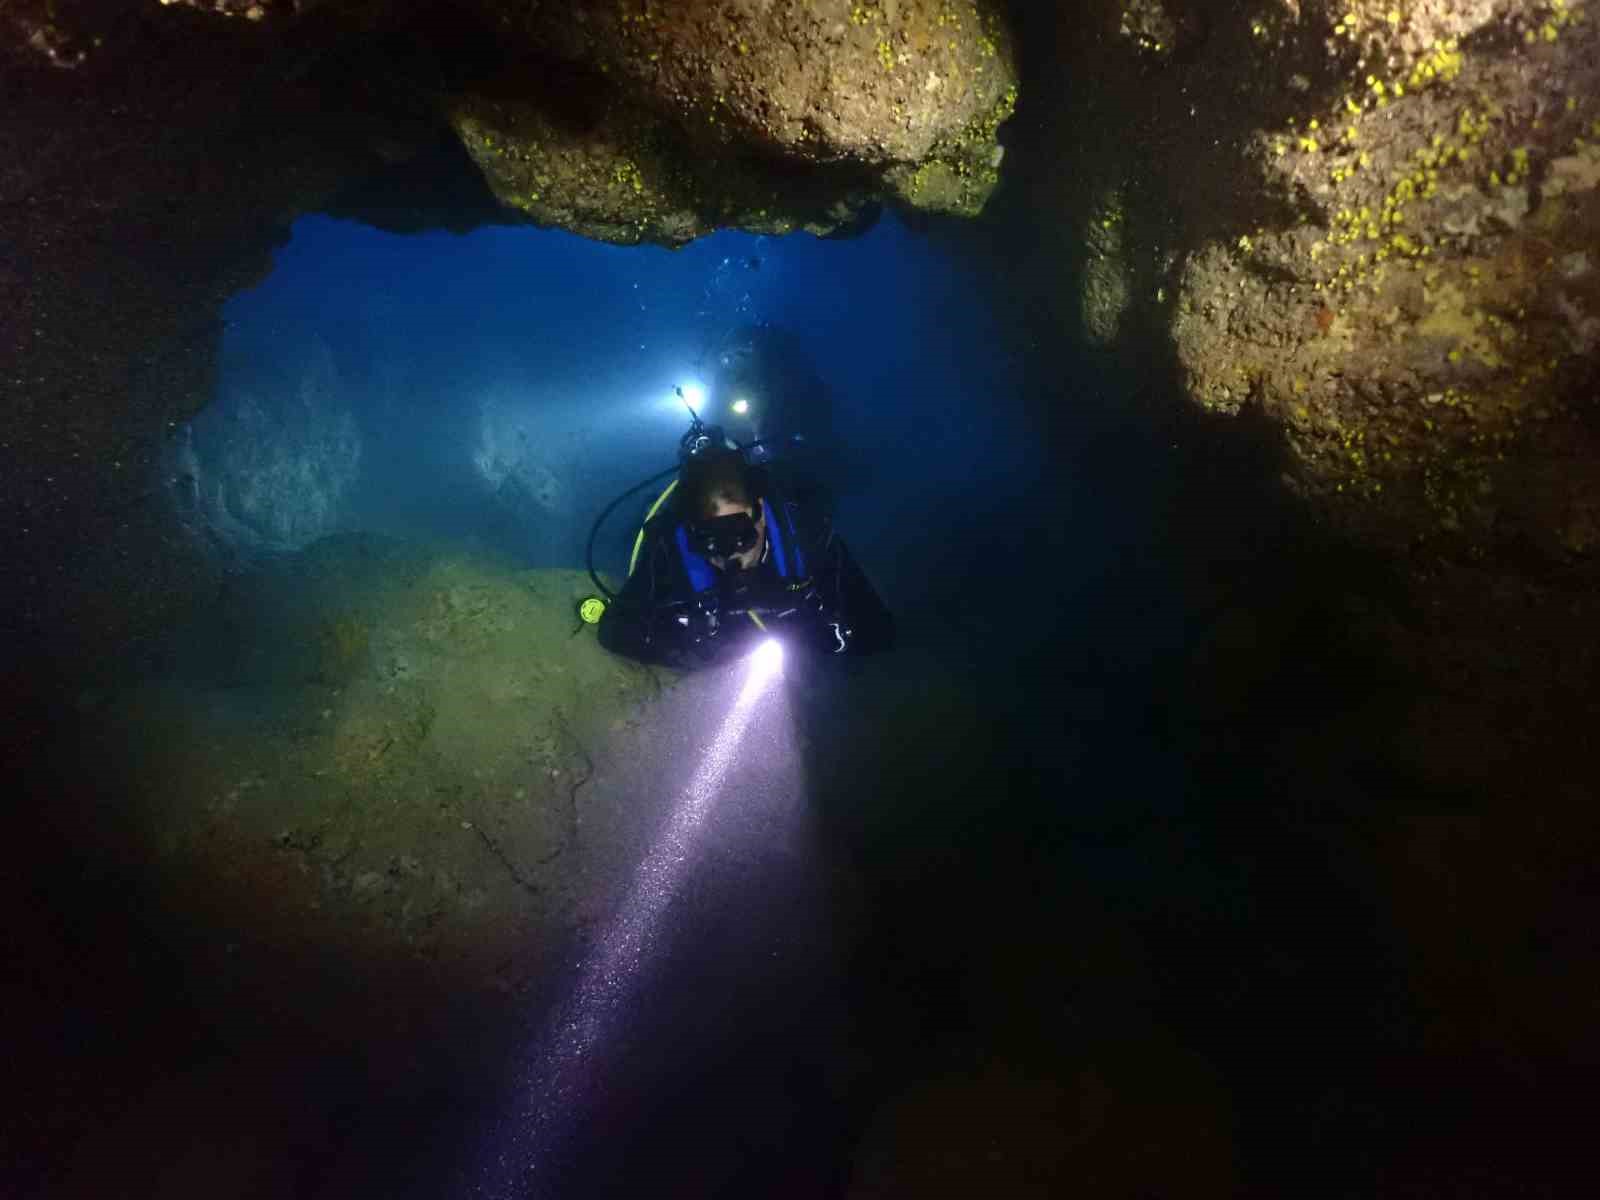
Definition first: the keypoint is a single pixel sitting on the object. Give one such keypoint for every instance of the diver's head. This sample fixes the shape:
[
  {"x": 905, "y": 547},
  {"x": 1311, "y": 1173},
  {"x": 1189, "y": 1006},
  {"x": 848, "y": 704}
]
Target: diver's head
[{"x": 722, "y": 511}]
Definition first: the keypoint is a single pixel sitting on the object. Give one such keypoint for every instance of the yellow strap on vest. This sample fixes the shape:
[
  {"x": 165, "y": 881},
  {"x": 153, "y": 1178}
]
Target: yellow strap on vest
[{"x": 633, "y": 560}]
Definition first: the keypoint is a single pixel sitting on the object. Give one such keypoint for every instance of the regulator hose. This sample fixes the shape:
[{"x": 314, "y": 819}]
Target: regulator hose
[{"x": 594, "y": 530}]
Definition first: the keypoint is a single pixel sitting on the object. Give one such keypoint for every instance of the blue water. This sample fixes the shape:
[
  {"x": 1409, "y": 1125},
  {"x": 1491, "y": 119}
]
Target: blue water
[{"x": 575, "y": 347}]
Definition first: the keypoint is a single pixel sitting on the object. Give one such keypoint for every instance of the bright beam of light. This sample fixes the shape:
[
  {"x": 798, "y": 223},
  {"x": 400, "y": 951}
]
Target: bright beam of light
[
  {"x": 694, "y": 395},
  {"x": 741, "y": 406},
  {"x": 766, "y": 662},
  {"x": 564, "y": 1067}
]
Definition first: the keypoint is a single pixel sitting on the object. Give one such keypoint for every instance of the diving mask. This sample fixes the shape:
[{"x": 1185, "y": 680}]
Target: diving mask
[{"x": 725, "y": 536}]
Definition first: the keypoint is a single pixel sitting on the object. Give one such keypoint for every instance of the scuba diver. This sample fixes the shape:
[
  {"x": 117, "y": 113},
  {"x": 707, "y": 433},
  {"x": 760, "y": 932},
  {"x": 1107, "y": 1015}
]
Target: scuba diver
[
  {"x": 731, "y": 559},
  {"x": 761, "y": 383}
]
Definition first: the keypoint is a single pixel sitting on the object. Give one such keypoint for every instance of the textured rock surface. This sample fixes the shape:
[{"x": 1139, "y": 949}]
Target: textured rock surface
[
  {"x": 630, "y": 176},
  {"x": 1424, "y": 326},
  {"x": 137, "y": 192},
  {"x": 1366, "y": 229},
  {"x": 1367, "y": 224},
  {"x": 864, "y": 82},
  {"x": 660, "y": 122}
]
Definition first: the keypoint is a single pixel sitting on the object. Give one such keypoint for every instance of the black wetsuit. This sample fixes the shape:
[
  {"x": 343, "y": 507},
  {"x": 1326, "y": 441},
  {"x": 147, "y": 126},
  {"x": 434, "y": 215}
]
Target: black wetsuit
[{"x": 678, "y": 612}]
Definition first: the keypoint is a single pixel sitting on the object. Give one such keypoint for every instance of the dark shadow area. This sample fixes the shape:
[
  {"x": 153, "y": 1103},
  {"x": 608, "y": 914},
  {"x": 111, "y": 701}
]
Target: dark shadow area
[
  {"x": 1154, "y": 905},
  {"x": 168, "y": 1045}
]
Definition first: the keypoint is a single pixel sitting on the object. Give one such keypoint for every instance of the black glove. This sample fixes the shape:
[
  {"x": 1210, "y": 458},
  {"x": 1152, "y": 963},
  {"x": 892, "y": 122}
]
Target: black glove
[
  {"x": 811, "y": 601},
  {"x": 808, "y": 610},
  {"x": 705, "y": 618},
  {"x": 691, "y": 624},
  {"x": 745, "y": 593}
]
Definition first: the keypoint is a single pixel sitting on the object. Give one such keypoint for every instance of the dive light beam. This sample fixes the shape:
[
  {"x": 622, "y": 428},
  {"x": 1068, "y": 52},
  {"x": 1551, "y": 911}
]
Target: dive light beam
[{"x": 564, "y": 1069}]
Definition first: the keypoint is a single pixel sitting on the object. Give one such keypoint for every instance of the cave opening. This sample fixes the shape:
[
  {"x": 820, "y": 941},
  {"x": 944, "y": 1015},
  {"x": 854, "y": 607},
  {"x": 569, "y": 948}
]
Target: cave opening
[
  {"x": 1221, "y": 821},
  {"x": 387, "y": 748},
  {"x": 382, "y": 812}
]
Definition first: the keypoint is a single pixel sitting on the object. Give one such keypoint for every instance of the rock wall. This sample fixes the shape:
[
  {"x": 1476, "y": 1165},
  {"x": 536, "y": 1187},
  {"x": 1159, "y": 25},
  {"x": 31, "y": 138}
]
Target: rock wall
[
  {"x": 1371, "y": 225},
  {"x": 139, "y": 189},
  {"x": 1361, "y": 238},
  {"x": 1424, "y": 327},
  {"x": 661, "y": 122}
]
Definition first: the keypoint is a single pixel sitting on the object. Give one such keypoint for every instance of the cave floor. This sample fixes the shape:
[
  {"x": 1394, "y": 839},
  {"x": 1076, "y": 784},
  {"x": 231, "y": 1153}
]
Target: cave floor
[{"x": 302, "y": 913}]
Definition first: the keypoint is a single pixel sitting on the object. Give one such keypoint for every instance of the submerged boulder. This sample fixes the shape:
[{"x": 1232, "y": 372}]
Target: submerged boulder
[
  {"x": 626, "y": 175},
  {"x": 870, "y": 82},
  {"x": 269, "y": 466},
  {"x": 662, "y": 122}
]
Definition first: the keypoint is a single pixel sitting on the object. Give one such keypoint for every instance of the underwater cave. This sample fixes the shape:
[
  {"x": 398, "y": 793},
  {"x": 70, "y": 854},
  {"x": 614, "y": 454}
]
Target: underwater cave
[{"x": 926, "y": 597}]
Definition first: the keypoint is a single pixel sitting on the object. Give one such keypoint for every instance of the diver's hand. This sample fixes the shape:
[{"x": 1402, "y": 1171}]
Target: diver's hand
[
  {"x": 705, "y": 617},
  {"x": 804, "y": 602},
  {"x": 688, "y": 623},
  {"x": 811, "y": 601},
  {"x": 767, "y": 603},
  {"x": 825, "y": 627},
  {"x": 689, "y": 634},
  {"x": 781, "y": 603}
]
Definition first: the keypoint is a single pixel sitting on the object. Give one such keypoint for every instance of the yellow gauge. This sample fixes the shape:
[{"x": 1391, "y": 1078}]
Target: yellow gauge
[{"x": 591, "y": 609}]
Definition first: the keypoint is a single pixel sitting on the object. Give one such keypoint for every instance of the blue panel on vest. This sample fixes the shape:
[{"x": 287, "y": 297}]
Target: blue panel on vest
[
  {"x": 701, "y": 577},
  {"x": 779, "y": 538}
]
